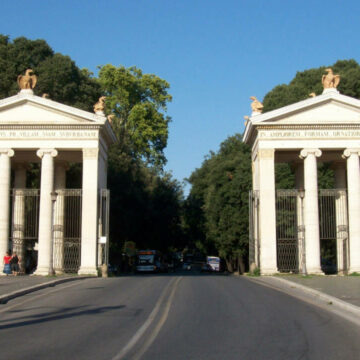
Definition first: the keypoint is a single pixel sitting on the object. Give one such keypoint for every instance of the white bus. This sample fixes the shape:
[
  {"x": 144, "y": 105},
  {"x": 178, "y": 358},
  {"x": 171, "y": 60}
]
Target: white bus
[{"x": 149, "y": 261}]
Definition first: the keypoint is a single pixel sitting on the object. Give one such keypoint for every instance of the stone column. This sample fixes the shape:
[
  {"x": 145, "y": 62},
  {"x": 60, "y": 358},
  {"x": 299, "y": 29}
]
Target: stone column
[
  {"x": 58, "y": 216},
  {"x": 311, "y": 211},
  {"x": 341, "y": 218},
  {"x": 89, "y": 218},
  {"x": 45, "y": 252},
  {"x": 5, "y": 172},
  {"x": 19, "y": 213},
  {"x": 299, "y": 184},
  {"x": 255, "y": 187},
  {"x": 353, "y": 179},
  {"x": 268, "y": 263}
]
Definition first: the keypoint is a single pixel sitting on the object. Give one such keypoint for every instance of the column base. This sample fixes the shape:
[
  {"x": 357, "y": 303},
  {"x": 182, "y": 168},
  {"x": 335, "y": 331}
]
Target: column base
[
  {"x": 92, "y": 271},
  {"x": 59, "y": 272},
  {"x": 314, "y": 271},
  {"x": 268, "y": 271},
  {"x": 44, "y": 271}
]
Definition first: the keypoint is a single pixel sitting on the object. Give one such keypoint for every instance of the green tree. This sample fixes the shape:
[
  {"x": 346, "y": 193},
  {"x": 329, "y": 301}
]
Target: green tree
[
  {"x": 57, "y": 74},
  {"x": 139, "y": 103},
  {"x": 220, "y": 188},
  {"x": 309, "y": 81}
]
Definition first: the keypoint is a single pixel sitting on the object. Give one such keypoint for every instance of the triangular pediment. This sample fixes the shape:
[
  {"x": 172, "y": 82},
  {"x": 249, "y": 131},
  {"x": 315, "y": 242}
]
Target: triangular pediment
[
  {"x": 324, "y": 113},
  {"x": 31, "y": 109},
  {"x": 330, "y": 108},
  {"x": 324, "y": 109}
]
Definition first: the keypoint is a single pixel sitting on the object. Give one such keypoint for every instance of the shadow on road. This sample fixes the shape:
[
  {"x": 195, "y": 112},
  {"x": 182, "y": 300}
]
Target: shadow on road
[{"x": 61, "y": 314}]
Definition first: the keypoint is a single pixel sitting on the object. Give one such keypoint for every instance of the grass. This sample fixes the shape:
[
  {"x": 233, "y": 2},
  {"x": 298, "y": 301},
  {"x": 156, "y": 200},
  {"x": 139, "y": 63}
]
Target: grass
[{"x": 354, "y": 274}]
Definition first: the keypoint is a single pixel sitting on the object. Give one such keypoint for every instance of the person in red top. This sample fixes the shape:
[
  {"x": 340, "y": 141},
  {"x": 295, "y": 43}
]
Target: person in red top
[{"x": 7, "y": 268}]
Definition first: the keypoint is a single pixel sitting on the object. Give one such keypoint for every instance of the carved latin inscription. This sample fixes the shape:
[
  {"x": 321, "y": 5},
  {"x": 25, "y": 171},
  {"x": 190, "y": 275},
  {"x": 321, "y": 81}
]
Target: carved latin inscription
[
  {"x": 275, "y": 134},
  {"x": 48, "y": 134}
]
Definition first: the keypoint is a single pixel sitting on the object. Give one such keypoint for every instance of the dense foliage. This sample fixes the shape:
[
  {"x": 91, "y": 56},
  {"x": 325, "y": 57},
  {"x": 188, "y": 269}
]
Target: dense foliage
[
  {"x": 309, "y": 81},
  {"x": 220, "y": 189},
  {"x": 216, "y": 216},
  {"x": 138, "y": 102},
  {"x": 145, "y": 201}
]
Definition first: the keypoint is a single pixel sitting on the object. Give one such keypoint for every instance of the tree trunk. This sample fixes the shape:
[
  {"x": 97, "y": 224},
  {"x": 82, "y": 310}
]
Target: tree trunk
[
  {"x": 241, "y": 265},
  {"x": 229, "y": 264}
]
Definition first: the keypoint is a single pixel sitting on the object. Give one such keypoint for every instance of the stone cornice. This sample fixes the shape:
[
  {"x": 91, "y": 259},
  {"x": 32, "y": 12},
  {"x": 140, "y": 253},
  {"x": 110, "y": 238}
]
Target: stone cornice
[
  {"x": 306, "y": 126},
  {"x": 22, "y": 98},
  {"x": 77, "y": 126}
]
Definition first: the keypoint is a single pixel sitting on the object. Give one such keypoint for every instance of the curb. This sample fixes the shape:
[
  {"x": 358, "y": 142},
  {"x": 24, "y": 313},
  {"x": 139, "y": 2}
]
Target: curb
[
  {"x": 341, "y": 307},
  {"x": 6, "y": 297}
]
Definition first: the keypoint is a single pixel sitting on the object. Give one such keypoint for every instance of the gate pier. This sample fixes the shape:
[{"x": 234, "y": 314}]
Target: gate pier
[
  {"x": 54, "y": 229},
  {"x": 305, "y": 229}
]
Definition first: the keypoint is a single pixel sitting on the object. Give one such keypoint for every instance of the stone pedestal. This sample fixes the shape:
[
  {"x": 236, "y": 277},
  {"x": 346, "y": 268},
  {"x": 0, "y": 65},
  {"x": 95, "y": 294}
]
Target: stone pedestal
[
  {"x": 58, "y": 216},
  {"x": 89, "y": 222},
  {"x": 341, "y": 219},
  {"x": 267, "y": 211},
  {"x": 19, "y": 213},
  {"x": 45, "y": 252},
  {"x": 311, "y": 211},
  {"x": 5, "y": 169},
  {"x": 353, "y": 179},
  {"x": 299, "y": 184}
]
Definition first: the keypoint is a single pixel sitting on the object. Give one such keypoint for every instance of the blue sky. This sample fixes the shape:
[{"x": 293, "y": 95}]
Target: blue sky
[{"x": 214, "y": 54}]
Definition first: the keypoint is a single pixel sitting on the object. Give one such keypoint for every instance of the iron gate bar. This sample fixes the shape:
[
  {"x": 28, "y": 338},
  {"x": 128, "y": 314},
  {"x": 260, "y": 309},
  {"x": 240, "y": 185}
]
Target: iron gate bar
[
  {"x": 287, "y": 230},
  {"x": 67, "y": 230}
]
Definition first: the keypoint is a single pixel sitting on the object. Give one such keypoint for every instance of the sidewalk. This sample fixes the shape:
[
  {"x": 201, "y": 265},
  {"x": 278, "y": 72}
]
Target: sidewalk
[
  {"x": 14, "y": 286},
  {"x": 339, "y": 294},
  {"x": 346, "y": 288}
]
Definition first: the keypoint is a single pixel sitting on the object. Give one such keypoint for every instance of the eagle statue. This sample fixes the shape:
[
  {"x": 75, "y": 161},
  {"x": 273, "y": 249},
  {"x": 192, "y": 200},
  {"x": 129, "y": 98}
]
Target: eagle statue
[
  {"x": 330, "y": 81},
  {"x": 256, "y": 105},
  {"x": 100, "y": 105},
  {"x": 27, "y": 81}
]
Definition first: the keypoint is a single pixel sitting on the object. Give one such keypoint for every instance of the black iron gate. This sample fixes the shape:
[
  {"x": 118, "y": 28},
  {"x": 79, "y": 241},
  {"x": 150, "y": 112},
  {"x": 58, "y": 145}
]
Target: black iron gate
[
  {"x": 287, "y": 226},
  {"x": 104, "y": 208},
  {"x": 333, "y": 230},
  {"x": 67, "y": 231},
  {"x": 24, "y": 226}
]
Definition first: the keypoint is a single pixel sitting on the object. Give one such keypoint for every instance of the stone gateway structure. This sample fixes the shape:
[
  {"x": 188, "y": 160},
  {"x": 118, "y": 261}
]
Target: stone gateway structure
[
  {"x": 60, "y": 227},
  {"x": 306, "y": 229}
]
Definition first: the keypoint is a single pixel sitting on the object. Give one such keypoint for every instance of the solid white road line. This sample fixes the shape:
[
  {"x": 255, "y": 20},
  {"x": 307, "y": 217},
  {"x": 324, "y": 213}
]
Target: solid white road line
[
  {"x": 159, "y": 325},
  {"x": 140, "y": 332}
]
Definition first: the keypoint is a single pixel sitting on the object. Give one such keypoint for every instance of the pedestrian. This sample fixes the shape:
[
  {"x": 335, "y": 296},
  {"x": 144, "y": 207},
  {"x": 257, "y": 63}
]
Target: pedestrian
[
  {"x": 14, "y": 263},
  {"x": 6, "y": 261}
]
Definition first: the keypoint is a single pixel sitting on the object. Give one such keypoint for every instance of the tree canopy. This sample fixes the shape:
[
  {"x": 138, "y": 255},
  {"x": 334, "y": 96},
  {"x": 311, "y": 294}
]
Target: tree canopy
[
  {"x": 139, "y": 103},
  {"x": 308, "y": 81},
  {"x": 145, "y": 201},
  {"x": 220, "y": 190}
]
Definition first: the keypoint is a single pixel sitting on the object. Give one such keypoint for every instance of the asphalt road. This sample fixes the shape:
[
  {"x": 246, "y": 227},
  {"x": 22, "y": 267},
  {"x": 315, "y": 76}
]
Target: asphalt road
[{"x": 182, "y": 316}]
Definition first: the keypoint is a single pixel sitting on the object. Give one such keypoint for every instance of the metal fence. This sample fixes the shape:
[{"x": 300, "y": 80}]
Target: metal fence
[
  {"x": 290, "y": 230},
  {"x": 287, "y": 223},
  {"x": 24, "y": 226},
  {"x": 67, "y": 231},
  {"x": 254, "y": 258},
  {"x": 66, "y": 228},
  {"x": 333, "y": 230},
  {"x": 104, "y": 208}
]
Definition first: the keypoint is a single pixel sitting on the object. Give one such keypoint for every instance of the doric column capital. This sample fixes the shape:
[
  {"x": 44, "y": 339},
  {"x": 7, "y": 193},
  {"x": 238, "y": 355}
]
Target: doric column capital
[
  {"x": 8, "y": 152},
  {"x": 304, "y": 153},
  {"x": 348, "y": 152},
  {"x": 41, "y": 152}
]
